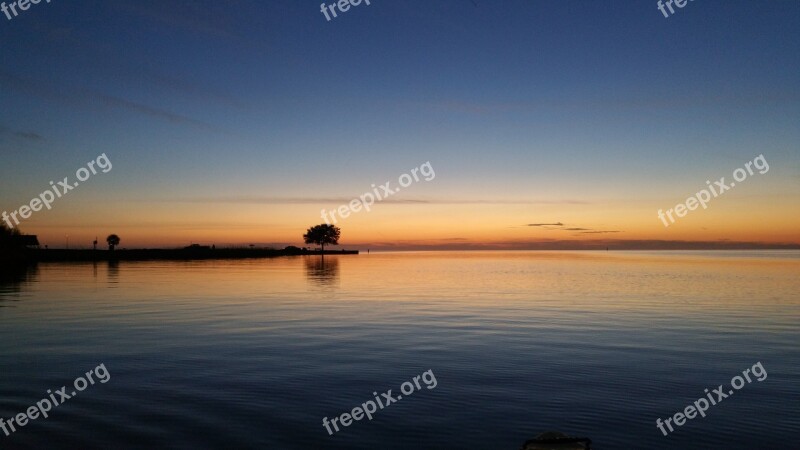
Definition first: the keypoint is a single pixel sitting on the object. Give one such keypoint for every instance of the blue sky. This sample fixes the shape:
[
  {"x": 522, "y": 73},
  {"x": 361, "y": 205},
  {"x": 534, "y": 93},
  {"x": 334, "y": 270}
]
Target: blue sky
[{"x": 511, "y": 100}]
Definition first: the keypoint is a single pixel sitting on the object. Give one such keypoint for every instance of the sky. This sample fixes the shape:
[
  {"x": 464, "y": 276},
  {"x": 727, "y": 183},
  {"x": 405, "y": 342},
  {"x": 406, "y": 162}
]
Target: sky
[{"x": 548, "y": 124}]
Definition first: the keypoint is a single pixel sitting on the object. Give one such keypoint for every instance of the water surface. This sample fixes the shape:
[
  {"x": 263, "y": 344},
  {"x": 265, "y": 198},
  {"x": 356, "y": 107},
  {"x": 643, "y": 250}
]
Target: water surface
[{"x": 253, "y": 354}]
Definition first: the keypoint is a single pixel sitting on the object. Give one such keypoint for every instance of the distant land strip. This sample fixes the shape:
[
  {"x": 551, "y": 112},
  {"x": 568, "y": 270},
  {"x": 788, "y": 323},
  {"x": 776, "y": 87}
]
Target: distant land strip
[{"x": 184, "y": 254}]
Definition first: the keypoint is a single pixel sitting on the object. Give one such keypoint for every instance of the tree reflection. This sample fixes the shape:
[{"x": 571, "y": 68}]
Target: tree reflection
[
  {"x": 113, "y": 271},
  {"x": 322, "y": 271}
]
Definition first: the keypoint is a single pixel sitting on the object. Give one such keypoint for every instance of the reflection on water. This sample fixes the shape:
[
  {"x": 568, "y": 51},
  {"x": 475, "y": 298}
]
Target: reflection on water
[
  {"x": 13, "y": 277},
  {"x": 322, "y": 271},
  {"x": 113, "y": 271},
  {"x": 253, "y": 353}
]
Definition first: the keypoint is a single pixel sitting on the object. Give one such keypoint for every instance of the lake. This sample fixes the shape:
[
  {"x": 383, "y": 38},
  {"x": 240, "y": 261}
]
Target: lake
[{"x": 255, "y": 353}]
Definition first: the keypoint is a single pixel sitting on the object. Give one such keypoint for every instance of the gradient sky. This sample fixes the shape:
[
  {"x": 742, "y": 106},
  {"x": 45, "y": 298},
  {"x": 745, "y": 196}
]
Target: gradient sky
[{"x": 236, "y": 122}]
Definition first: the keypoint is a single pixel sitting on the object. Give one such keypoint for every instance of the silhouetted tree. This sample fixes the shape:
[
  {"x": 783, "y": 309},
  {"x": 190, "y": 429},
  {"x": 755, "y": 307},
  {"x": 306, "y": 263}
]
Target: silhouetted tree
[
  {"x": 113, "y": 241},
  {"x": 322, "y": 234},
  {"x": 5, "y": 231},
  {"x": 8, "y": 237},
  {"x": 12, "y": 246}
]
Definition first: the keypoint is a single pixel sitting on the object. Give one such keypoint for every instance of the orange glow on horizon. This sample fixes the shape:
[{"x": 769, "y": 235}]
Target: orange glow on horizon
[{"x": 443, "y": 225}]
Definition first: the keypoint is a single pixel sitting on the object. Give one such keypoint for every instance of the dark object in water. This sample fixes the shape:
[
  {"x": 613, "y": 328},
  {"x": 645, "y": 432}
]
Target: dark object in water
[{"x": 553, "y": 440}]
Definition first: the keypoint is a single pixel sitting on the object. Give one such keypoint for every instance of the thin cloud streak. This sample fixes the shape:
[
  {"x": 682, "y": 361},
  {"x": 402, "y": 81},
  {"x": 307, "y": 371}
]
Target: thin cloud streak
[
  {"x": 27, "y": 135},
  {"x": 86, "y": 98},
  {"x": 343, "y": 200},
  {"x": 558, "y": 226}
]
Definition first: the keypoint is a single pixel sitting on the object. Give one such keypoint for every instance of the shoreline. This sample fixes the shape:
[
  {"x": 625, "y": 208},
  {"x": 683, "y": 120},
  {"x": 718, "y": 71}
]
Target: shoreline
[{"x": 80, "y": 255}]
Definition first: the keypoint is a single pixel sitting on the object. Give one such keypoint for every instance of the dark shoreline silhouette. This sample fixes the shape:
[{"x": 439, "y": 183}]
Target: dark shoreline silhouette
[{"x": 183, "y": 254}]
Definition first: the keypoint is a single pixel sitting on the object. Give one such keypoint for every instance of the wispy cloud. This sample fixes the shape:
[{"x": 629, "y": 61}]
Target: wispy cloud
[
  {"x": 342, "y": 200},
  {"x": 558, "y": 226},
  {"x": 27, "y": 135},
  {"x": 149, "y": 111},
  {"x": 87, "y": 99}
]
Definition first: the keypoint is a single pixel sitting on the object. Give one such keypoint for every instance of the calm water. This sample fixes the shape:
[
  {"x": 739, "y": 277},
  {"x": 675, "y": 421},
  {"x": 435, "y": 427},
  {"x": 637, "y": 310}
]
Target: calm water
[{"x": 253, "y": 354}]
